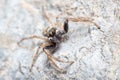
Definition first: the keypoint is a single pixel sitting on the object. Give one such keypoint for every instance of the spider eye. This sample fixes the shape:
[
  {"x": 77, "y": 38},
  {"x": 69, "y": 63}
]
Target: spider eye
[{"x": 51, "y": 39}]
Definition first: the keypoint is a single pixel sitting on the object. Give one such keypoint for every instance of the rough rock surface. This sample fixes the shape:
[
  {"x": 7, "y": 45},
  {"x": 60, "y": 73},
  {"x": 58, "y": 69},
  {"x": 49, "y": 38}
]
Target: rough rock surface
[{"x": 95, "y": 52}]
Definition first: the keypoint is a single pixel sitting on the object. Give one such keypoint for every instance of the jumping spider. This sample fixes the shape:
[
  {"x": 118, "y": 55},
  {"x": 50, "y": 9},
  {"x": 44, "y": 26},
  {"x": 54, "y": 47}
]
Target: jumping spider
[{"x": 53, "y": 37}]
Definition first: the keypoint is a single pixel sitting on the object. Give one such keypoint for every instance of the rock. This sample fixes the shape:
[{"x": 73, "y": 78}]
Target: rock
[{"x": 95, "y": 52}]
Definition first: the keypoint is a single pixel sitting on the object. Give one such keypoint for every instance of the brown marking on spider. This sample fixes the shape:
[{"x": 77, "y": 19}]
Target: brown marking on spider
[{"x": 53, "y": 37}]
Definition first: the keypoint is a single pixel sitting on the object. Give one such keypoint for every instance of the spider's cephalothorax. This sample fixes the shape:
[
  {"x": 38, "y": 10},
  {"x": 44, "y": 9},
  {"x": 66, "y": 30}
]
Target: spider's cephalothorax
[
  {"x": 54, "y": 35},
  {"x": 49, "y": 32}
]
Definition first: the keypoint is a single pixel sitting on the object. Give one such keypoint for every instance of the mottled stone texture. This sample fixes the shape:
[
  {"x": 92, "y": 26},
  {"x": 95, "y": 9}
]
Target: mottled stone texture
[{"x": 96, "y": 53}]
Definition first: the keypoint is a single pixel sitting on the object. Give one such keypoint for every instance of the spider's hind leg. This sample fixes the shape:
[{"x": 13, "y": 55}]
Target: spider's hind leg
[
  {"x": 52, "y": 61},
  {"x": 48, "y": 52},
  {"x": 35, "y": 58}
]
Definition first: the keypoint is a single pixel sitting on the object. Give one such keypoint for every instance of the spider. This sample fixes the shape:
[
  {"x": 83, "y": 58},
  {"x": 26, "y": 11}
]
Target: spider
[{"x": 52, "y": 38}]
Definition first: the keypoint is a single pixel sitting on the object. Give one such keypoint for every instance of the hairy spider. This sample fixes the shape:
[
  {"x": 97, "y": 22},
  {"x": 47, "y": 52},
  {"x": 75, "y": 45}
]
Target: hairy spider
[{"x": 53, "y": 37}]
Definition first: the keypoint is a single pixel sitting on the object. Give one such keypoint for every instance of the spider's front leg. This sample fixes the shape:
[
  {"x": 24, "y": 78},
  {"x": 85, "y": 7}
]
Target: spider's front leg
[
  {"x": 31, "y": 37},
  {"x": 83, "y": 19},
  {"x": 46, "y": 15}
]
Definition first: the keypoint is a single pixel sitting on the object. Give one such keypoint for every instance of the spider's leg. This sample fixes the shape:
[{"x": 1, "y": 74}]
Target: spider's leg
[
  {"x": 46, "y": 16},
  {"x": 83, "y": 19},
  {"x": 53, "y": 46},
  {"x": 56, "y": 66},
  {"x": 59, "y": 60},
  {"x": 64, "y": 27},
  {"x": 35, "y": 57},
  {"x": 31, "y": 37},
  {"x": 58, "y": 23},
  {"x": 60, "y": 15},
  {"x": 52, "y": 61}
]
